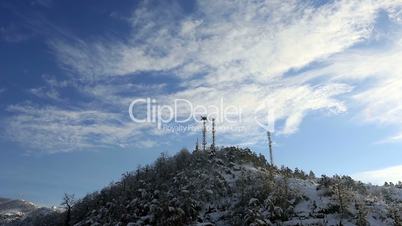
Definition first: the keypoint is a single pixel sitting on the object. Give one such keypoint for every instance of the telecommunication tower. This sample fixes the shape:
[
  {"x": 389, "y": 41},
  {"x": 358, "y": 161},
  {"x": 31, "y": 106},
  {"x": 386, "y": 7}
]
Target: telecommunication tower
[
  {"x": 204, "y": 132},
  {"x": 213, "y": 134},
  {"x": 271, "y": 158}
]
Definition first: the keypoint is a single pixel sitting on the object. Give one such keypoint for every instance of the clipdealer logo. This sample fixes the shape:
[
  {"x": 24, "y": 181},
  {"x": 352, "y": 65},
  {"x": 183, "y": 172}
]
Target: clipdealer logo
[{"x": 183, "y": 112}]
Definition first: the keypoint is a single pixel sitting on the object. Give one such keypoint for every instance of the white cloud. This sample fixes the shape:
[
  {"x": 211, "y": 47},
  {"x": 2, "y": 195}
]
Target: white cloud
[
  {"x": 378, "y": 100},
  {"x": 44, "y": 3},
  {"x": 42, "y": 92},
  {"x": 285, "y": 103},
  {"x": 239, "y": 51},
  {"x": 52, "y": 129},
  {"x": 247, "y": 40},
  {"x": 390, "y": 174}
]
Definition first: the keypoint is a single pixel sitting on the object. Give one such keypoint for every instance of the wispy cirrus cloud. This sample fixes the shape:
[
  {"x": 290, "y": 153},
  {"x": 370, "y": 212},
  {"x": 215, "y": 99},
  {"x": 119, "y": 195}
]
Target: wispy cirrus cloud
[
  {"x": 250, "y": 54},
  {"x": 257, "y": 40},
  {"x": 52, "y": 129},
  {"x": 389, "y": 174},
  {"x": 379, "y": 69},
  {"x": 44, "y": 3},
  {"x": 14, "y": 34}
]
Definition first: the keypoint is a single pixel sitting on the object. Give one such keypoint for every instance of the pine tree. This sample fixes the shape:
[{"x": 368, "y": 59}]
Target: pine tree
[
  {"x": 361, "y": 214},
  {"x": 311, "y": 175}
]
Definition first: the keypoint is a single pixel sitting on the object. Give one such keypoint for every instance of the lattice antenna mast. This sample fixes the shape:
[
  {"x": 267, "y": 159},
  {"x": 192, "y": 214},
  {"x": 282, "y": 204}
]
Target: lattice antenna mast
[
  {"x": 271, "y": 158},
  {"x": 213, "y": 134},
  {"x": 204, "y": 132}
]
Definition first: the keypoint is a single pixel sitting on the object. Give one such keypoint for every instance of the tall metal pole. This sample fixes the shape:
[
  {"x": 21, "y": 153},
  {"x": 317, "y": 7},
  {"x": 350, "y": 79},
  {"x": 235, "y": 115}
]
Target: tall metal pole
[
  {"x": 204, "y": 132},
  {"x": 213, "y": 134},
  {"x": 270, "y": 148}
]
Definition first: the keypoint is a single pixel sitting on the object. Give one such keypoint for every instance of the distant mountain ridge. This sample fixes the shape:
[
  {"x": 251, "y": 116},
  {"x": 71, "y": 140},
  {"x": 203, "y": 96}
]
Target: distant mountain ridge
[
  {"x": 20, "y": 212},
  {"x": 12, "y": 209}
]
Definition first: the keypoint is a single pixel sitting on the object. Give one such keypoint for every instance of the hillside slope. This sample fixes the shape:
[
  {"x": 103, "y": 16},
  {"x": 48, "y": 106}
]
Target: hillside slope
[
  {"x": 11, "y": 210},
  {"x": 231, "y": 187}
]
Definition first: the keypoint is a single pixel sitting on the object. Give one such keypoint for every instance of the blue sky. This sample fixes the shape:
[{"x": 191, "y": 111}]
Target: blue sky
[{"x": 326, "y": 72}]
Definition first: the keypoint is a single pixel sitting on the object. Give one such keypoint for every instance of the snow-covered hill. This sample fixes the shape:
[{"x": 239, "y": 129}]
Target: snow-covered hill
[
  {"x": 21, "y": 212},
  {"x": 14, "y": 209},
  {"x": 231, "y": 187}
]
